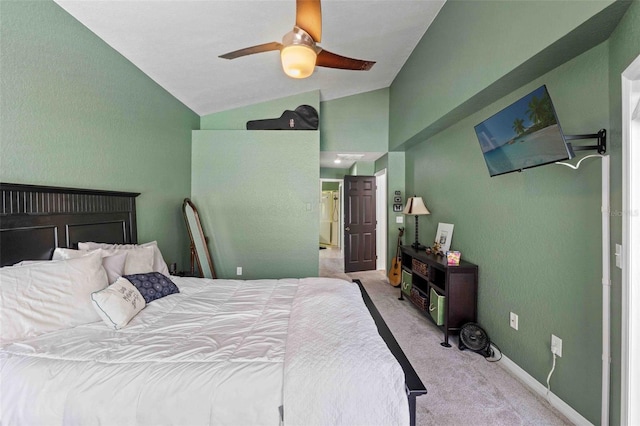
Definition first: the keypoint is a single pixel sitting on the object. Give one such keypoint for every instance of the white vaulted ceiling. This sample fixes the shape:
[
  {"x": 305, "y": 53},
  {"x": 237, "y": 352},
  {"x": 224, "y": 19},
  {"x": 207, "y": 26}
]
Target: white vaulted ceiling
[{"x": 177, "y": 43}]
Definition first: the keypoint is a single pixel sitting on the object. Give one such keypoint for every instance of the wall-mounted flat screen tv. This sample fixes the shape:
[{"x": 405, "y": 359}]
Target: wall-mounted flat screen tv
[{"x": 523, "y": 135}]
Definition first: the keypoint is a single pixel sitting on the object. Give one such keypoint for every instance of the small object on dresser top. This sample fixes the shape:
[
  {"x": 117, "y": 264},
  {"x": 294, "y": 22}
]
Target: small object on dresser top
[
  {"x": 453, "y": 258},
  {"x": 437, "y": 249}
]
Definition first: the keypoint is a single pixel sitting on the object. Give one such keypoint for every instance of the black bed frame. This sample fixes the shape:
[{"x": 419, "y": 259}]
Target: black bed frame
[{"x": 34, "y": 220}]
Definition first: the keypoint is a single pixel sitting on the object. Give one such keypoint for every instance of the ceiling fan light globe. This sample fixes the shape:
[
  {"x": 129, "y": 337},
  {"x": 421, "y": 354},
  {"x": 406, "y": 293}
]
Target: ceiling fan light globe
[{"x": 298, "y": 60}]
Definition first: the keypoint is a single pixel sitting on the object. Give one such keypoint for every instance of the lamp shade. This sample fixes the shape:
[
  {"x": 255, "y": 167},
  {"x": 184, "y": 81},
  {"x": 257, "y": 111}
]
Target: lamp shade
[
  {"x": 415, "y": 206},
  {"x": 298, "y": 60}
]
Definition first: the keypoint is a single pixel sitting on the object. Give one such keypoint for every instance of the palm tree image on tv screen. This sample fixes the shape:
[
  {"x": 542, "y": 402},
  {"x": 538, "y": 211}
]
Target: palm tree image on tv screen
[{"x": 525, "y": 134}]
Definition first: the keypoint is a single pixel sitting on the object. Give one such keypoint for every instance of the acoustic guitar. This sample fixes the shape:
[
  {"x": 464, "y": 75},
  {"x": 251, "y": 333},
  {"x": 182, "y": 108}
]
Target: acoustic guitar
[{"x": 395, "y": 274}]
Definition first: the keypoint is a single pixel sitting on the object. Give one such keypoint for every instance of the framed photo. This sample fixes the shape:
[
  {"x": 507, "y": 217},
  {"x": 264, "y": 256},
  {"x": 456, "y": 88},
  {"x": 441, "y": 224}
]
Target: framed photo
[
  {"x": 444, "y": 235},
  {"x": 397, "y": 207},
  {"x": 398, "y": 193},
  {"x": 397, "y": 200}
]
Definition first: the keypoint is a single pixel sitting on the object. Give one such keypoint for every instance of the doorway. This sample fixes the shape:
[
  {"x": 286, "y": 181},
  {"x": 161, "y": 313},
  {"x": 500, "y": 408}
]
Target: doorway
[
  {"x": 331, "y": 214},
  {"x": 359, "y": 223},
  {"x": 331, "y": 256},
  {"x": 381, "y": 216},
  {"x": 630, "y": 244}
]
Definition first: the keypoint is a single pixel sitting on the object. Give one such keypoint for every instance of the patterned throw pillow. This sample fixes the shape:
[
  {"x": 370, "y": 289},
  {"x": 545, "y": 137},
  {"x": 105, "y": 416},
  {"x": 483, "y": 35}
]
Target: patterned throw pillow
[
  {"x": 118, "y": 303},
  {"x": 152, "y": 285}
]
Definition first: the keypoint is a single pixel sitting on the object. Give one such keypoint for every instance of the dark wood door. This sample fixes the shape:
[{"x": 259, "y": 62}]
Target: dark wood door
[{"x": 359, "y": 223}]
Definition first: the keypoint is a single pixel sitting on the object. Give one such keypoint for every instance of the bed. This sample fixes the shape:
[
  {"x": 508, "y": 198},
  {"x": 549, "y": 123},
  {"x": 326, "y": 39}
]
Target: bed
[{"x": 216, "y": 352}]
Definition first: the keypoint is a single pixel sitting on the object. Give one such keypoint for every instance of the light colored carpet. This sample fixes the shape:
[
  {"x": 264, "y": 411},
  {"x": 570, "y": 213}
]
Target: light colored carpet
[{"x": 463, "y": 388}]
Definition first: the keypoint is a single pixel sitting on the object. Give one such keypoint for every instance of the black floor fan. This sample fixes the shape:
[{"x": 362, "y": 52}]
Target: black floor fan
[{"x": 473, "y": 337}]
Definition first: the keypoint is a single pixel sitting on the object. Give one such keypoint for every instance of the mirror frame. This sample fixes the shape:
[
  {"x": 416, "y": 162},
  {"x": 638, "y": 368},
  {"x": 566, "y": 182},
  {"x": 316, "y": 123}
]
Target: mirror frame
[{"x": 200, "y": 233}]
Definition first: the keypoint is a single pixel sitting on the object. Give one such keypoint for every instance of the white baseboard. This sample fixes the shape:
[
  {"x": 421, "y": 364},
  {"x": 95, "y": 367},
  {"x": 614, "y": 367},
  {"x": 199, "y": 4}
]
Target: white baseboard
[{"x": 541, "y": 390}]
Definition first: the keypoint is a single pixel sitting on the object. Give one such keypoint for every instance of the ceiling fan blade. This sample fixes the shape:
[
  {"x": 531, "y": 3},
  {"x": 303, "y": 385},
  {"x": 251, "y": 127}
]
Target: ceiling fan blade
[
  {"x": 309, "y": 18},
  {"x": 251, "y": 50},
  {"x": 331, "y": 60}
]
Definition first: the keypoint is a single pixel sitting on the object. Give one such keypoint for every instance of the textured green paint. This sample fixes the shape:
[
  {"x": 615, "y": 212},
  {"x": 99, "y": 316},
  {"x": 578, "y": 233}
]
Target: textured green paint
[
  {"x": 535, "y": 235},
  {"x": 330, "y": 173},
  {"x": 394, "y": 163},
  {"x": 236, "y": 119},
  {"x": 75, "y": 113},
  {"x": 478, "y": 51},
  {"x": 624, "y": 47},
  {"x": 362, "y": 168},
  {"x": 330, "y": 186},
  {"x": 356, "y": 123},
  {"x": 254, "y": 213}
]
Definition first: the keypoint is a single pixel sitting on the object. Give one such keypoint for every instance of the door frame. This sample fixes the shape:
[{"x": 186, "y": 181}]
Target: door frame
[
  {"x": 341, "y": 225},
  {"x": 381, "y": 218},
  {"x": 366, "y": 222},
  {"x": 630, "y": 374}
]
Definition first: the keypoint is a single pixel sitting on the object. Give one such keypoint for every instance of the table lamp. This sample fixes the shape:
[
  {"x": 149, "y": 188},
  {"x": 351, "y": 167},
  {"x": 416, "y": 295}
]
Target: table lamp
[{"x": 415, "y": 207}]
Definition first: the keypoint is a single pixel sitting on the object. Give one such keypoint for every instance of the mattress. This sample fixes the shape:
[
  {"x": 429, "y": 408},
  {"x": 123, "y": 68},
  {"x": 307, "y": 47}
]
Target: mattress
[{"x": 224, "y": 352}]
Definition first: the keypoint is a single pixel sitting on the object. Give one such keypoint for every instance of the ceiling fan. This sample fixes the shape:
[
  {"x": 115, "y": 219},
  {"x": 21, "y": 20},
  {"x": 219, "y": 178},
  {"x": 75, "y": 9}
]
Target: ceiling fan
[{"x": 299, "y": 51}]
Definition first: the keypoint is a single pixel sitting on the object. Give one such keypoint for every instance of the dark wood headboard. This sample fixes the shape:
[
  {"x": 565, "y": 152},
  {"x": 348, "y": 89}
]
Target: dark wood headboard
[{"x": 34, "y": 220}]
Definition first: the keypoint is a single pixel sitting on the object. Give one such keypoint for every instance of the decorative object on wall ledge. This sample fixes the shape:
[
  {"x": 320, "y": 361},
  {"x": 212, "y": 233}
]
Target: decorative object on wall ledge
[
  {"x": 443, "y": 238},
  {"x": 299, "y": 52},
  {"x": 304, "y": 117},
  {"x": 415, "y": 207}
]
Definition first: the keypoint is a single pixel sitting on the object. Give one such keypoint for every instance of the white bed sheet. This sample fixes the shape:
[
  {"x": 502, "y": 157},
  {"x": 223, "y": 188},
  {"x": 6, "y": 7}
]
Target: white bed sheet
[{"x": 213, "y": 354}]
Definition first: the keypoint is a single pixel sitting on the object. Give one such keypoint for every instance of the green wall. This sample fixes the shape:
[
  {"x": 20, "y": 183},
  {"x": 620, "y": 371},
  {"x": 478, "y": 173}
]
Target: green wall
[
  {"x": 258, "y": 195},
  {"x": 75, "y": 113},
  {"x": 331, "y": 173},
  {"x": 362, "y": 168},
  {"x": 535, "y": 235},
  {"x": 236, "y": 119},
  {"x": 357, "y": 123},
  {"x": 394, "y": 162},
  {"x": 624, "y": 47},
  {"x": 476, "y": 52},
  {"x": 330, "y": 186}
]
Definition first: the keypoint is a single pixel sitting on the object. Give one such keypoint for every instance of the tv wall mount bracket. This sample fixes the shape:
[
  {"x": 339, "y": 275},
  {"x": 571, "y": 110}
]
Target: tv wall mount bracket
[{"x": 601, "y": 136}]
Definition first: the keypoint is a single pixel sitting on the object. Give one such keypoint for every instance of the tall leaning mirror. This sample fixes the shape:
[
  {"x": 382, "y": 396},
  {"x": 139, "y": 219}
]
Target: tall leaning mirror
[{"x": 199, "y": 249}]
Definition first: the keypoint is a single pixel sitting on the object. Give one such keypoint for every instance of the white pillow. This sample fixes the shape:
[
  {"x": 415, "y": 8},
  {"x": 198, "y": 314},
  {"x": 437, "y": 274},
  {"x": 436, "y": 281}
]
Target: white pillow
[
  {"x": 113, "y": 263},
  {"x": 139, "y": 260},
  {"x": 159, "y": 265},
  {"x": 118, "y": 303},
  {"x": 42, "y": 297}
]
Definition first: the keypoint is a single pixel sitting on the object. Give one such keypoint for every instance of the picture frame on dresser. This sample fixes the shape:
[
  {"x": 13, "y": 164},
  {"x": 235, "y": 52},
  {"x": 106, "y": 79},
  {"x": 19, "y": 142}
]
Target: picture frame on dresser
[{"x": 444, "y": 234}]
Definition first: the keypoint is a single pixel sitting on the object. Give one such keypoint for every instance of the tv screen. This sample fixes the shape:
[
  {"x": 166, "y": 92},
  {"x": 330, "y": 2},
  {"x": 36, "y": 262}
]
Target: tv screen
[{"x": 523, "y": 135}]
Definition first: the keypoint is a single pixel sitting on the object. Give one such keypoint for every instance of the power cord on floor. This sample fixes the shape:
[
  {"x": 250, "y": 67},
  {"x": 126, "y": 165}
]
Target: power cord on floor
[
  {"x": 553, "y": 367},
  {"x": 487, "y": 358}
]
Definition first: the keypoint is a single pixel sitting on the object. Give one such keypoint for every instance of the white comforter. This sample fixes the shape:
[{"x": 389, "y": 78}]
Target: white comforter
[{"x": 221, "y": 352}]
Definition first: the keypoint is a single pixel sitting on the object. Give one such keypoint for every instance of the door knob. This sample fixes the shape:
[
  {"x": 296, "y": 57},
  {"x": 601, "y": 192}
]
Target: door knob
[{"x": 347, "y": 229}]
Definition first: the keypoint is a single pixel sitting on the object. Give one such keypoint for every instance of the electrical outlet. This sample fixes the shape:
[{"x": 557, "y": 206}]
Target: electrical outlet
[
  {"x": 556, "y": 345},
  {"x": 399, "y": 219},
  {"x": 513, "y": 320},
  {"x": 239, "y": 270}
]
